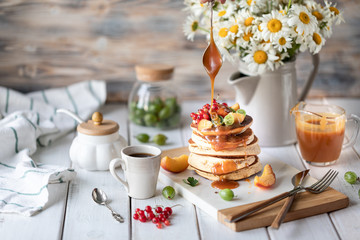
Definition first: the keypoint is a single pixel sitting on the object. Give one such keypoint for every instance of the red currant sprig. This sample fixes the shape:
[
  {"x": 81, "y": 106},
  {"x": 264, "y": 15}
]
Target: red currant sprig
[{"x": 158, "y": 217}]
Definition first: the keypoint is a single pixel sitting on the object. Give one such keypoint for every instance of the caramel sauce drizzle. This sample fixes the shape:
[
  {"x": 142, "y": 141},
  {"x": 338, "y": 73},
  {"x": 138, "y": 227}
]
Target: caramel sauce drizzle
[{"x": 212, "y": 60}]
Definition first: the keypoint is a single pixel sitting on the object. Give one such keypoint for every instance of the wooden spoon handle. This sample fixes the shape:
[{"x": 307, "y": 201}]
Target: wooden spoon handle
[
  {"x": 237, "y": 215},
  {"x": 282, "y": 213}
]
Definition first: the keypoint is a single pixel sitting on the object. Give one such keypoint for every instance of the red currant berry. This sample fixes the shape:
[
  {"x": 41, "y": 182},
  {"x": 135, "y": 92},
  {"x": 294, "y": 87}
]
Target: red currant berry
[
  {"x": 141, "y": 212},
  {"x": 197, "y": 121},
  {"x": 136, "y": 216},
  {"x": 167, "y": 222},
  {"x": 166, "y": 214},
  {"x": 159, "y": 225},
  {"x": 168, "y": 209},
  {"x": 137, "y": 210},
  {"x": 201, "y": 111},
  {"x": 155, "y": 220},
  {"x": 142, "y": 218},
  {"x": 162, "y": 219},
  {"x": 206, "y": 116},
  {"x": 148, "y": 209},
  {"x": 225, "y": 104},
  {"x": 161, "y": 215},
  {"x": 150, "y": 215},
  {"x": 214, "y": 100},
  {"x": 158, "y": 209}
]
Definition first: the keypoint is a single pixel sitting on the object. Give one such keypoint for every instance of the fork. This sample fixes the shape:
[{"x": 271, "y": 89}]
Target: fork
[{"x": 316, "y": 188}]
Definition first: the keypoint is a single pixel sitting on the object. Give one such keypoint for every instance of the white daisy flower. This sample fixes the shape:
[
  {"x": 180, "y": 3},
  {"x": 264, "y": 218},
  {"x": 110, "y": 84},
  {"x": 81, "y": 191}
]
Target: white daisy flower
[
  {"x": 315, "y": 42},
  {"x": 302, "y": 19},
  {"x": 282, "y": 42},
  {"x": 190, "y": 27},
  {"x": 223, "y": 11},
  {"x": 245, "y": 39},
  {"x": 253, "y": 5},
  {"x": 273, "y": 24},
  {"x": 303, "y": 42},
  {"x": 335, "y": 12},
  {"x": 246, "y": 20},
  {"x": 280, "y": 61},
  {"x": 260, "y": 58},
  {"x": 326, "y": 31},
  {"x": 195, "y": 7}
]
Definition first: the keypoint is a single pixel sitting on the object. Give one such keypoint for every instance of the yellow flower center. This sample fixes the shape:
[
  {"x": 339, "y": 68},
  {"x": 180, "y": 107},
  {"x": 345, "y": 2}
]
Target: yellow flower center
[
  {"x": 282, "y": 12},
  {"x": 247, "y": 36},
  {"x": 282, "y": 41},
  {"x": 317, "y": 38},
  {"x": 248, "y": 2},
  {"x": 223, "y": 32},
  {"x": 194, "y": 26},
  {"x": 334, "y": 10},
  {"x": 274, "y": 25},
  {"x": 234, "y": 29},
  {"x": 318, "y": 15},
  {"x": 304, "y": 18},
  {"x": 260, "y": 57},
  {"x": 259, "y": 28},
  {"x": 263, "y": 41},
  {"x": 248, "y": 21},
  {"x": 222, "y": 13}
]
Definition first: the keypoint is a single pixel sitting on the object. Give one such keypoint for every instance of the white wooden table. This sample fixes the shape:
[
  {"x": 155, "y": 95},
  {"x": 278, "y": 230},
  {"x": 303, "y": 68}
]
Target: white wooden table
[{"x": 72, "y": 214}]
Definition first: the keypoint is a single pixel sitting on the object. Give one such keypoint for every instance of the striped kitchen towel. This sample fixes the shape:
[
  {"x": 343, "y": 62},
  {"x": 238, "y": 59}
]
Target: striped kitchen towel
[{"x": 28, "y": 121}]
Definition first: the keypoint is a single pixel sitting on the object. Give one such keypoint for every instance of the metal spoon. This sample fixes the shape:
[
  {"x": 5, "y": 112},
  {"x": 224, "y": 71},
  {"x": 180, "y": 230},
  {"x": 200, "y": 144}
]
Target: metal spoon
[
  {"x": 296, "y": 180},
  {"x": 100, "y": 197}
]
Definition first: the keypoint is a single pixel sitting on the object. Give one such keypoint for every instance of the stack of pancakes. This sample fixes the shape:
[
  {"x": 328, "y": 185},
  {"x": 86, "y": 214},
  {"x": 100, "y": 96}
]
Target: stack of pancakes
[{"x": 225, "y": 152}]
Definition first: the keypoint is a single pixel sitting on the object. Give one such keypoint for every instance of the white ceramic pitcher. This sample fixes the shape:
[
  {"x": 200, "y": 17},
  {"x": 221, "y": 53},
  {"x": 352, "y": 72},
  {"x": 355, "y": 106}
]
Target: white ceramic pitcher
[{"x": 268, "y": 98}]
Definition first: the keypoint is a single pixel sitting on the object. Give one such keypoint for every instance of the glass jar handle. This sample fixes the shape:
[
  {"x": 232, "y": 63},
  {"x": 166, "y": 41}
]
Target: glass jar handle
[{"x": 355, "y": 134}]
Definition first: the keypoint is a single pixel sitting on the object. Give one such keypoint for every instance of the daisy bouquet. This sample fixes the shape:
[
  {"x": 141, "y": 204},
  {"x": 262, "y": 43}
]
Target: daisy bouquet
[{"x": 264, "y": 34}]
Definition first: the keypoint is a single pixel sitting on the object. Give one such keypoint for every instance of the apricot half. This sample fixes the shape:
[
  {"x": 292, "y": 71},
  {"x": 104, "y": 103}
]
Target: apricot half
[
  {"x": 267, "y": 179},
  {"x": 176, "y": 164}
]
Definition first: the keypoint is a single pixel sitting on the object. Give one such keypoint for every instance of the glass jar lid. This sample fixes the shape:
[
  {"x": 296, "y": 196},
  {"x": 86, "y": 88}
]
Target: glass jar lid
[
  {"x": 98, "y": 126},
  {"x": 154, "y": 72}
]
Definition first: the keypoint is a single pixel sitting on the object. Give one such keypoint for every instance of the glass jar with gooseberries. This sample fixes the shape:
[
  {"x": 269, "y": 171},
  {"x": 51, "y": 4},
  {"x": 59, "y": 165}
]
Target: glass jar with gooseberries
[{"x": 153, "y": 101}]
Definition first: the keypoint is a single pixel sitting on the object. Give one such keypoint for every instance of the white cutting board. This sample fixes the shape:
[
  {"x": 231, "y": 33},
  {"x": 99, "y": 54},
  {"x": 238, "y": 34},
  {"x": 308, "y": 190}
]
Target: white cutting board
[{"x": 207, "y": 198}]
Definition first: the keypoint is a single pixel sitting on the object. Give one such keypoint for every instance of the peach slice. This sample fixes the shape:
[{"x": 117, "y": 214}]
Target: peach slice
[
  {"x": 267, "y": 179},
  {"x": 235, "y": 107},
  {"x": 204, "y": 124},
  {"x": 176, "y": 164},
  {"x": 238, "y": 117}
]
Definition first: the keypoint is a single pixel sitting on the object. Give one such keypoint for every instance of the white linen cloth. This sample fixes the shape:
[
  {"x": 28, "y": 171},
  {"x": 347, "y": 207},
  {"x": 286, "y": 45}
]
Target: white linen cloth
[{"x": 28, "y": 121}]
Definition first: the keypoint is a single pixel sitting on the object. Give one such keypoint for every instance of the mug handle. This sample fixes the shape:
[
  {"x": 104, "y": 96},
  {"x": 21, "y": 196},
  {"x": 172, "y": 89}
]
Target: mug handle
[
  {"x": 355, "y": 134},
  {"x": 113, "y": 165}
]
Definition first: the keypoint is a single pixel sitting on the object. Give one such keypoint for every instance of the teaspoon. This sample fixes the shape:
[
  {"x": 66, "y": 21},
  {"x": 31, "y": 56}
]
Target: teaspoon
[{"x": 100, "y": 197}]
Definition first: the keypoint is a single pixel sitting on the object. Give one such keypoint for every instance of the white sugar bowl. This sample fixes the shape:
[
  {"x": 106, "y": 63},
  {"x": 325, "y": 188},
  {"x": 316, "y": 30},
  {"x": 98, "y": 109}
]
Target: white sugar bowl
[{"x": 98, "y": 142}]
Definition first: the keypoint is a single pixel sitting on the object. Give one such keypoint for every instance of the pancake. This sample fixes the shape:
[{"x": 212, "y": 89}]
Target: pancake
[
  {"x": 236, "y": 175},
  {"x": 210, "y": 163},
  {"x": 223, "y": 142},
  {"x": 251, "y": 149}
]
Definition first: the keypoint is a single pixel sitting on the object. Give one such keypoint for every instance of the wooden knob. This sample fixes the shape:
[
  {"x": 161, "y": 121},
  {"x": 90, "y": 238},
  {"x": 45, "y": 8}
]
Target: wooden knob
[{"x": 97, "y": 118}]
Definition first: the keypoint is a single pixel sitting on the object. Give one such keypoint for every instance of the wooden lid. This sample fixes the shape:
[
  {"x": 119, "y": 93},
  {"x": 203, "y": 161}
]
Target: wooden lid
[
  {"x": 154, "y": 72},
  {"x": 97, "y": 126}
]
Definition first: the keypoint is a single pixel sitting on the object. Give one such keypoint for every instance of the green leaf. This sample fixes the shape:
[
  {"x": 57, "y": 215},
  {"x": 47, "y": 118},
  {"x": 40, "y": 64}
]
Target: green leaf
[{"x": 191, "y": 181}]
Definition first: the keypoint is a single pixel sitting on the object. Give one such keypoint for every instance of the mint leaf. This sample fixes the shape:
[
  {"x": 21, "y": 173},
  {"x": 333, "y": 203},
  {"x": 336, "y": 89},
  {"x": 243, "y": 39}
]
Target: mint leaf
[{"x": 191, "y": 181}]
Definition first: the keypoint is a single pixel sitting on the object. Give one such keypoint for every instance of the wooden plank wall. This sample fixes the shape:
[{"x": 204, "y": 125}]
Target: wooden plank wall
[{"x": 52, "y": 43}]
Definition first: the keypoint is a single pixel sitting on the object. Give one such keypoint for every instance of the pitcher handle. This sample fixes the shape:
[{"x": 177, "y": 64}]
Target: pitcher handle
[{"x": 308, "y": 83}]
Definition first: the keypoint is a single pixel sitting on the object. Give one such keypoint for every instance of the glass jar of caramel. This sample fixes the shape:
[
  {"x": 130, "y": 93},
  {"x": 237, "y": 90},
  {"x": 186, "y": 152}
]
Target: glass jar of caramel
[{"x": 153, "y": 101}]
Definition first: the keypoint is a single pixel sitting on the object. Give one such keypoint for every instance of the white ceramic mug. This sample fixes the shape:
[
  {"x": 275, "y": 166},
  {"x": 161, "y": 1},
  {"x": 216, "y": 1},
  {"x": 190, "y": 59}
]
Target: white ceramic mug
[{"x": 141, "y": 172}]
